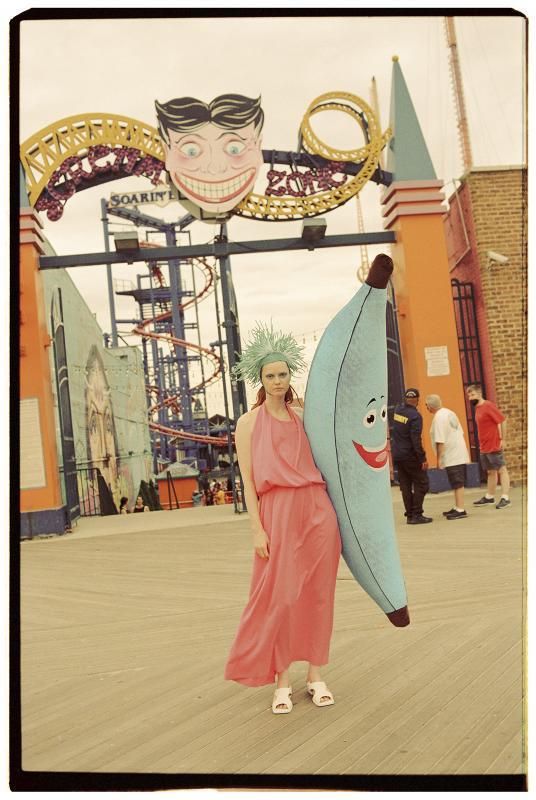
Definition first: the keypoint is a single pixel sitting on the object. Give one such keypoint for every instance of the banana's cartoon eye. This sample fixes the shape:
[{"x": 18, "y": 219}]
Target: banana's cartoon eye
[
  {"x": 383, "y": 412},
  {"x": 370, "y": 418}
]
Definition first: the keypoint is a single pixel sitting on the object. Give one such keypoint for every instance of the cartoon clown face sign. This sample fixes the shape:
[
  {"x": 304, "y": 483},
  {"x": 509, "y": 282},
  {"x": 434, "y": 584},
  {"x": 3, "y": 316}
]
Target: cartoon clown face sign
[{"x": 213, "y": 152}]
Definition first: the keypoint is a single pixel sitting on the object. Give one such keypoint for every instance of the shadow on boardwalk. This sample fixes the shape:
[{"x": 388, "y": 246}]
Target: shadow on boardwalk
[{"x": 127, "y": 622}]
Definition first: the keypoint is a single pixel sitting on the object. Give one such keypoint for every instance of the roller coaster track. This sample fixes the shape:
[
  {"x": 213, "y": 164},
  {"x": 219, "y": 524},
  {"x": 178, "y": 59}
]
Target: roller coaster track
[
  {"x": 44, "y": 153},
  {"x": 84, "y": 150},
  {"x": 172, "y": 401}
]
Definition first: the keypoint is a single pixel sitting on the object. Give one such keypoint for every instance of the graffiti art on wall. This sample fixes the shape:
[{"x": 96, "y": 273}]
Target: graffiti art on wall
[
  {"x": 102, "y": 449},
  {"x": 108, "y": 402}
]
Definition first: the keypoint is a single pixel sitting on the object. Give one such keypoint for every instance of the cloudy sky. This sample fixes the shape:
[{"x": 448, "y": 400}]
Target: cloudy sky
[{"x": 121, "y": 66}]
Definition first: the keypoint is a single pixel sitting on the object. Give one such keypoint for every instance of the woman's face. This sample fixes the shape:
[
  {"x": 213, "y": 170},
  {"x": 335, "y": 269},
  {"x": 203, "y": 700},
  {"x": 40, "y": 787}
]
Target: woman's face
[
  {"x": 139, "y": 500},
  {"x": 275, "y": 378}
]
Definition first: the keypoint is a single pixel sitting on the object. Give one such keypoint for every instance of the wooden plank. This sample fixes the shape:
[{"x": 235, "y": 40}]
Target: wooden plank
[
  {"x": 450, "y": 759},
  {"x": 459, "y": 720},
  {"x": 508, "y": 761},
  {"x": 269, "y": 729},
  {"x": 374, "y": 715},
  {"x": 500, "y": 736},
  {"x": 125, "y": 633},
  {"x": 394, "y": 715}
]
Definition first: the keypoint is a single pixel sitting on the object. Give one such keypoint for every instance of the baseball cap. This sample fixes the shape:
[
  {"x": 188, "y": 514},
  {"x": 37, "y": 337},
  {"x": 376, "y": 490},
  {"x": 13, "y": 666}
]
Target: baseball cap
[{"x": 412, "y": 393}]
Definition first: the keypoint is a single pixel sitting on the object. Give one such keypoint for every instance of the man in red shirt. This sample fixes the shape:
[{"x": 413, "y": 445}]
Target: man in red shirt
[{"x": 491, "y": 426}]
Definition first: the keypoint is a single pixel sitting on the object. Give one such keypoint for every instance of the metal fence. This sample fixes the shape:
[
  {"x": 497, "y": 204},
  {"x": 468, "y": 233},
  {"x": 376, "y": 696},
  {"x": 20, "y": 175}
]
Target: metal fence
[
  {"x": 95, "y": 496},
  {"x": 88, "y": 491},
  {"x": 470, "y": 350}
]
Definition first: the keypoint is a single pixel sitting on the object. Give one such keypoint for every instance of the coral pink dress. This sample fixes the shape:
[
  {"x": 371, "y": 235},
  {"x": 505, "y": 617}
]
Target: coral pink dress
[{"x": 289, "y": 615}]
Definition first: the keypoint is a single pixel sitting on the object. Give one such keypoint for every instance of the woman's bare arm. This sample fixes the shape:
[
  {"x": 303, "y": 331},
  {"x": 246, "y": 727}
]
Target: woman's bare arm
[
  {"x": 244, "y": 429},
  {"x": 297, "y": 405}
]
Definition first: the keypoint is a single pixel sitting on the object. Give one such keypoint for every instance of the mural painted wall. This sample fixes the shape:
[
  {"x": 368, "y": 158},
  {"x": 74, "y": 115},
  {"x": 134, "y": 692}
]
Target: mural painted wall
[{"x": 108, "y": 401}]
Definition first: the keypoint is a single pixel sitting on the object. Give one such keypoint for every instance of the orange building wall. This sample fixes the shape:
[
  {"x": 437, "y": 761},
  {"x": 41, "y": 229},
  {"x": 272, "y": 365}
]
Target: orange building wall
[
  {"x": 35, "y": 378},
  {"x": 424, "y": 302},
  {"x": 184, "y": 487}
]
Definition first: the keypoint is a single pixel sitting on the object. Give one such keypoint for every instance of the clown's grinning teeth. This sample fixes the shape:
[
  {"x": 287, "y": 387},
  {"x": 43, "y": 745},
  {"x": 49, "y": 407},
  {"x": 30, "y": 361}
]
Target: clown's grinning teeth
[{"x": 218, "y": 190}]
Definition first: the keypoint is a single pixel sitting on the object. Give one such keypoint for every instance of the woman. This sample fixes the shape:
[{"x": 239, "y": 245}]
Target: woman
[
  {"x": 219, "y": 495},
  {"x": 123, "y": 505},
  {"x": 140, "y": 506},
  {"x": 289, "y": 616}
]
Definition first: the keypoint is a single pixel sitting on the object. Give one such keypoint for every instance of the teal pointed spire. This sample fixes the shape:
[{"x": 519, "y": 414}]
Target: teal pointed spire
[
  {"x": 408, "y": 157},
  {"x": 24, "y": 202}
]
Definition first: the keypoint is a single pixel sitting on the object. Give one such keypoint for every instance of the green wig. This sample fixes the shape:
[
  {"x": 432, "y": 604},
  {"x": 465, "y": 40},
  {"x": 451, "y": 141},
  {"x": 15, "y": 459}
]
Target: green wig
[{"x": 264, "y": 347}]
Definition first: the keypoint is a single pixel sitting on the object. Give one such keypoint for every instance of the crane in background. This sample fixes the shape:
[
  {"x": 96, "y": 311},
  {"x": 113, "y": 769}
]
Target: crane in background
[
  {"x": 459, "y": 100},
  {"x": 364, "y": 266}
]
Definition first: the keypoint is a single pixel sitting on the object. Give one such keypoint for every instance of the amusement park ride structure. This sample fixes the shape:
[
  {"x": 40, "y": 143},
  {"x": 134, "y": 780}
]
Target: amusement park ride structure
[
  {"x": 328, "y": 178},
  {"x": 79, "y": 152},
  {"x": 177, "y": 410}
]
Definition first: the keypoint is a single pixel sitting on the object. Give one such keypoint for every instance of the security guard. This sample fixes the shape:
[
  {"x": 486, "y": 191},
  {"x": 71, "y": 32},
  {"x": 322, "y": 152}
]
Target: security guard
[{"x": 409, "y": 457}]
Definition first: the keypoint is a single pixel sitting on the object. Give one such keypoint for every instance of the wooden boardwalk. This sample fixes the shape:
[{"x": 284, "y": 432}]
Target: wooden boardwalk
[{"x": 127, "y": 622}]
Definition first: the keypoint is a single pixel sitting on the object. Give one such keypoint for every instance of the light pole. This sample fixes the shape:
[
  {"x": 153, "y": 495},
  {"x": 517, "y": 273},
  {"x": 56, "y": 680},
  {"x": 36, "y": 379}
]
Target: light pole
[
  {"x": 111, "y": 299},
  {"x": 220, "y": 344}
]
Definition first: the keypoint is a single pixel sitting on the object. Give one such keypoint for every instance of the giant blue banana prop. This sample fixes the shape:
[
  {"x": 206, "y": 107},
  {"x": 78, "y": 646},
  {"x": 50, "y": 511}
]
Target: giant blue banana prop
[{"x": 345, "y": 418}]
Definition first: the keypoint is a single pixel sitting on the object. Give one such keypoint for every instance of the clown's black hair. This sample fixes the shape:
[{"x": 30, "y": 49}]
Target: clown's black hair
[{"x": 228, "y": 111}]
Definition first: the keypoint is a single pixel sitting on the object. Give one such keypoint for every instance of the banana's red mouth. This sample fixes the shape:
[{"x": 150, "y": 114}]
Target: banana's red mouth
[{"x": 377, "y": 457}]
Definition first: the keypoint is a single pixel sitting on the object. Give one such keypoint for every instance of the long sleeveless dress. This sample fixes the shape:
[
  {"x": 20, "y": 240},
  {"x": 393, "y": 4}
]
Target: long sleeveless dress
[{"x": 289, "y": 615}]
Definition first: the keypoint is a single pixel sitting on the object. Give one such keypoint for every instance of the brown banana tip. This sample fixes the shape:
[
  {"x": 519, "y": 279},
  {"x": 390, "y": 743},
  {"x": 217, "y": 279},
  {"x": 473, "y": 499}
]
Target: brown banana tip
[
  {"x": 399, "y": 618},
  {"x": 380, "y": 271}
]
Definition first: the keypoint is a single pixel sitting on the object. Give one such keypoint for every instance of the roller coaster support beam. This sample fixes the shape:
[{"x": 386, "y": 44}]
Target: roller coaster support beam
[
  {"x": 216, "y": 250},
  {"x": 111, "y": 298},
  {"x": 232, "y": 470},
  {"x": 232, "y": 332},
  {"x": 177, "y": 317},
  {"x": 147, "y": 221},
  {"x": 158, "y": 377}
]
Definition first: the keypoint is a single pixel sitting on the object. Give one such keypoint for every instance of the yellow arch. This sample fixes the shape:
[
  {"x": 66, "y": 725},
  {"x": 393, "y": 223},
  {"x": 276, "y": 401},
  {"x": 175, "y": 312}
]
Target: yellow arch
[
  {"x": 47, "y": 149},
  {"x": 260, "y": 206}
]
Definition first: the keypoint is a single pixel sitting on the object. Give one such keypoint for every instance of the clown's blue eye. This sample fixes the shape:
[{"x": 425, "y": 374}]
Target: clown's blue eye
[
  {"x": 383, "y": 412},
  {"x": 370, "y": 418},
  {"x": 235, "y": 148},
  {"x": 190, "y": 150}
]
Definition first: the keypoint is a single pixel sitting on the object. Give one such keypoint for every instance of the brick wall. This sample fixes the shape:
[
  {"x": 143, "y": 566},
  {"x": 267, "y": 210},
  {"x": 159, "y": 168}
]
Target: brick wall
[{"x": 499, "y": 210}]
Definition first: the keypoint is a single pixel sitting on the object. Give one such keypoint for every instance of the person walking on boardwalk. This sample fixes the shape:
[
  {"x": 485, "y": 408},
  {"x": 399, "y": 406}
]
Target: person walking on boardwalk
[
  {"x": 448, "y": 442},
  {"x": 296, "y": 539},
  {"x": 491, "y": 427},
  {"x": 409, "y": 457}
]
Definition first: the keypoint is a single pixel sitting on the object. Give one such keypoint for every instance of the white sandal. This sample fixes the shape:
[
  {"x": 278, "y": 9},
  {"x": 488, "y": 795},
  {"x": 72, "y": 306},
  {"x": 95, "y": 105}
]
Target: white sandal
[
  {"x": 318, "y": 690},
  {"x": 282, "y": 698}
]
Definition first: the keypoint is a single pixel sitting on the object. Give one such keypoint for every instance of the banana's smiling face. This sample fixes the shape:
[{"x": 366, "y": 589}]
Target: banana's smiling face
[{"x": 371, "y": 444}]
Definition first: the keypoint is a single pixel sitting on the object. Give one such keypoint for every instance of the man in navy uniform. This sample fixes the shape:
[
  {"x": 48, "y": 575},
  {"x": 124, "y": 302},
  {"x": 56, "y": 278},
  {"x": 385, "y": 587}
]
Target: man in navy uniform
[{"x": 409, "y": 457}]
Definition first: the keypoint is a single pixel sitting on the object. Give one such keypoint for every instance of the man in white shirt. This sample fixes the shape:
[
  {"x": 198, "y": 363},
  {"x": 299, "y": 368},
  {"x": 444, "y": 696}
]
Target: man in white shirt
[{"x": 448, "y": 441}]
